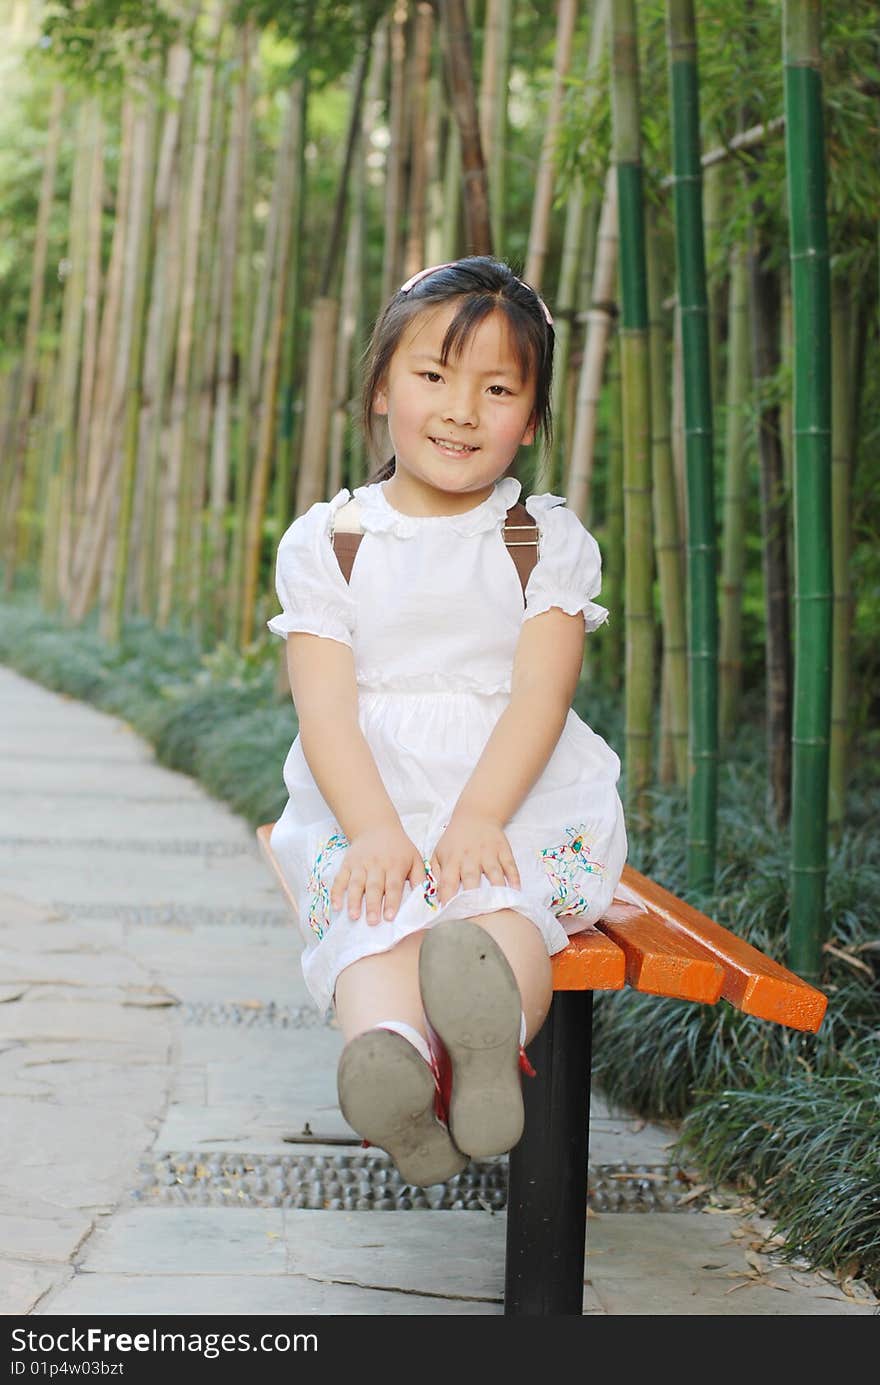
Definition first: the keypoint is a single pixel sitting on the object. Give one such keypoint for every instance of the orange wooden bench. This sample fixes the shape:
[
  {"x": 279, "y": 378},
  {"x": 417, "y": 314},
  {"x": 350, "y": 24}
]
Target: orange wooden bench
[{"x": 654, "y": 942}]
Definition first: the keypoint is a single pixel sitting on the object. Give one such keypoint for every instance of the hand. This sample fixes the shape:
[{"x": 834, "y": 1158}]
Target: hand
[
  {"x": 472, "y": 846},
  {"x": 378, "y": 863}
]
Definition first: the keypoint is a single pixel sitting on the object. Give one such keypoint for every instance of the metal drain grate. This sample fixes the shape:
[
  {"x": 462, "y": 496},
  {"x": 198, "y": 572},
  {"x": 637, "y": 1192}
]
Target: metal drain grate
[
  {"x": 370, "y": 1183},
  {"x": 254, "y": 1015}
]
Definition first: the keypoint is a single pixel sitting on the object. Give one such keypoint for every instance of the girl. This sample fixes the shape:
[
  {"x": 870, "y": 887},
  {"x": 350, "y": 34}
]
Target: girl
[{"x": 451, "y": 820}]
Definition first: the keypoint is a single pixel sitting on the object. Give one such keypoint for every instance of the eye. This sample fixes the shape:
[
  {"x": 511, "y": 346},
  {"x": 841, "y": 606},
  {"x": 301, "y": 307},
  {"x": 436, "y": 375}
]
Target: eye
[
  {"x": 499, "y": 391},
  {"x": 431, "y": 376}
]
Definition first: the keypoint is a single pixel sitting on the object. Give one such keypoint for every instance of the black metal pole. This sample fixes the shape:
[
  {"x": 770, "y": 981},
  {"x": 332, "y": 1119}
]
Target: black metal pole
[{"x": 547, "y": 1178}]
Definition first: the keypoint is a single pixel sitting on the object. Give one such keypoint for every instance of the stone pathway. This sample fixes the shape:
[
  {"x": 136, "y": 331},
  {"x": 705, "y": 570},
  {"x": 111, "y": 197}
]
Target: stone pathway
[{"x": 171, "y": 1142}]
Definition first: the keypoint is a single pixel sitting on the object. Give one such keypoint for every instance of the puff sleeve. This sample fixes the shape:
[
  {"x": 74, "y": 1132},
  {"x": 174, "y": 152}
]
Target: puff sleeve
[
  {"x": 568, "y": 572},
  {"x": 313, "y": 593}
]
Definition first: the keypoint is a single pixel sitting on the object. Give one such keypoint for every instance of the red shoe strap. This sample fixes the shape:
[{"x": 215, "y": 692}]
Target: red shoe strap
[{"x": 524, "y": 1064}]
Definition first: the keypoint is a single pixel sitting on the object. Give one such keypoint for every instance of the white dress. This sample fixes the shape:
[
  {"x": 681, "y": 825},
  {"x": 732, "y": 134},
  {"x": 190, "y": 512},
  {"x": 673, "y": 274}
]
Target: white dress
[{"x": 433, "y": 613}]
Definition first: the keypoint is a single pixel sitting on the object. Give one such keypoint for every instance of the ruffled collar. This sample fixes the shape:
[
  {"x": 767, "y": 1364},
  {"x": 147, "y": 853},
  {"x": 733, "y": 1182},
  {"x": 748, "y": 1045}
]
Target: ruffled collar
[{"x": 378, "y": 515}]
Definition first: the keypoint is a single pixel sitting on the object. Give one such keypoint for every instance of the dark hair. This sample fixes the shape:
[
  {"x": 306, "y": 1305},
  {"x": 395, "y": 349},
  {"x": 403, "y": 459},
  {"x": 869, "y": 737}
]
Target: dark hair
[{"x": 484, "y": 285}]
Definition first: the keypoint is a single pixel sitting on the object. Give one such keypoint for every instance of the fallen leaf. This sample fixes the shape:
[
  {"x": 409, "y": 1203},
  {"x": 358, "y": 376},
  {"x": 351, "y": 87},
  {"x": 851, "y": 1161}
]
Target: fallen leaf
[{"x": 694, "y": 1193}]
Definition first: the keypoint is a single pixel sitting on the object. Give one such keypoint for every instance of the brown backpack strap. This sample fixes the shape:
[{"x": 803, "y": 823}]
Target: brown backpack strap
[
  {"x": 520, "y": 533},
  {"x": 345, "y": 546}
]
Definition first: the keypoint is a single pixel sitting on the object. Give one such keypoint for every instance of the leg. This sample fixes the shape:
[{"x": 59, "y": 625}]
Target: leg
[
  {"x": 386, "y": 1082},
  {"x": 526, "y": 951},
  {"x": 478, "y": 977},
  {"x": 382, "y": 987}
]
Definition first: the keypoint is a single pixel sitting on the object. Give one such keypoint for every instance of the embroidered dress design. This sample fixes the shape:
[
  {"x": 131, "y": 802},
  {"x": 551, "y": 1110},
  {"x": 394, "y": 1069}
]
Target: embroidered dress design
[
  {"x": 430, "y": 886},
  {"x": 319, "y": 892},
  {"x": 566, "y": 864}
]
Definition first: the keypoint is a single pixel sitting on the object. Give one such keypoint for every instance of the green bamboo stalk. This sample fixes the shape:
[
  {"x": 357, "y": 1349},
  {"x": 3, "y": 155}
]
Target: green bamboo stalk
[
  {"x": 612, "y": 633},
  {"x": 702, "y": 597},
  {"x": 635, "y": 371},
  {"x": 808, "y": 241},
  {"x": 64, "y": 445},
  {"x": 842, "y": 439},
  {"x": 733, "y": 542},
  {"x": 668, "y": 545}
]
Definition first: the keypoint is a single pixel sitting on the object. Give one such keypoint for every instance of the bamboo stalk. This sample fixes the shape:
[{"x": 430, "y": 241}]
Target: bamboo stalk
[
  {"x": 702, "y": 578},
  {"x": 764, "y": 317},
  {"x": 567, "y": 284},
  {"x": 200, "y": 414},
  {"x": 414, "y": 255},
  {"x": 267, "y": 412},
  {"x": 493, "y": 106},
  {"x": 613, "y": 632},
  {"x": 124, "y": 398},
  {"x": 250, "y": 336},
  {"x": 67, "y": 377},
  {"x": 636, "y": 390},
  {"x": 395, "y": 163},
  {"x": 177, "y": 494},
  {"x": 460, "y": 80},
  {"x": 843, "y": 327},
  {"x": 284, "y": 464},
  {"x": 733, "y": 549},
  {"x": 222, "y": 422},
  {"x": 538, "y": 245},
  {"x": 808, "y": 240},
  {"x": 11, "y": 535},
  {"x": 92, "y": 297},
  {"x": 600, "y": 318},
  {"x": 668, "y": 539}
]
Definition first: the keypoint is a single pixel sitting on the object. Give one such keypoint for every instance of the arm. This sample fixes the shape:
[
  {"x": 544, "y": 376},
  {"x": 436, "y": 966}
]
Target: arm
[
  {"x": 324, "y": 691},
  {"x": 546, "y": 669},
  {"x": 380, "y": 856}
]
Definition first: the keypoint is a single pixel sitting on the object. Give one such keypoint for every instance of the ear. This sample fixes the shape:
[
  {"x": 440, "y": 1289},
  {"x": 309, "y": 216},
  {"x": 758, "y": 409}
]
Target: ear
[
  {"x": 530, "y": 431},
  {"x": 380, "y": 401}
]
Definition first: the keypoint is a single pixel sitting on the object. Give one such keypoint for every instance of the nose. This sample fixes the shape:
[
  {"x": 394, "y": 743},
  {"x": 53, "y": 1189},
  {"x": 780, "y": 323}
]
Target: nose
[{"x": 460, "y": 406}]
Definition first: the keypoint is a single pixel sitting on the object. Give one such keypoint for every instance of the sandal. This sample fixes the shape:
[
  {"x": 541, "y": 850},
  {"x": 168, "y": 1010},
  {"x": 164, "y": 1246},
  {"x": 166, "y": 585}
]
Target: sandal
[
  {"x": 391, "y": 1097},
  {"x": 474, "y": 1011}
]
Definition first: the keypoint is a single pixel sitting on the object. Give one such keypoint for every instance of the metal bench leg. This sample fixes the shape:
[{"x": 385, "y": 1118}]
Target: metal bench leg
[{"x": 547, "y": 1180}]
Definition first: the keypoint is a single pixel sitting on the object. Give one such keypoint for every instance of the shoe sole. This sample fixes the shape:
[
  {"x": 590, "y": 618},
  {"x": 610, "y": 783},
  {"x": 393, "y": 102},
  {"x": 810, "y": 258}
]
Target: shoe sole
[
  {"x": 386, "y": 1093},
  {"x": 473, "y": 1003}
]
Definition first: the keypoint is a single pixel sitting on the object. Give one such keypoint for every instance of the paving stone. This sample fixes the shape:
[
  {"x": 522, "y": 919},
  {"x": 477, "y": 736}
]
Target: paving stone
[
  {"x": 44, "y": 1238},
  {"x": 663, "y": 1264},
  {"x": 116, "y": 1295},
  {"x": 23, "y": 1285},
  {"x": 71, "y": 1019},
  {"x": 189, "y": 1240}
]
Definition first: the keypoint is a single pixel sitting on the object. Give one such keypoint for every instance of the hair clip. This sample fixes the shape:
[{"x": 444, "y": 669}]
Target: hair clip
[{"x": 450, "y": 264}]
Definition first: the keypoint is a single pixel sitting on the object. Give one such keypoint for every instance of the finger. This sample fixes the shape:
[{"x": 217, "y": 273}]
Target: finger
[
  {"x": 355, "y": 892},
  {"x": 393, "y": 892},
  {"x": 374, "y": 892},
  {"x": 337, "y": 891},
  {"x": 494, "y": 873},
  {"x": 511, "y": 870}
]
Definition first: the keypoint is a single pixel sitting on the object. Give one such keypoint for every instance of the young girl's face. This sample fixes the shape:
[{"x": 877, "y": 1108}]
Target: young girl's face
[{"x": 455, "y": 428}]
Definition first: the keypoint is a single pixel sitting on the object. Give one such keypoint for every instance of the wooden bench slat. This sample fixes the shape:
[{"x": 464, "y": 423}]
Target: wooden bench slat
[
  {"x": 752, "y": 982},
  {"x": 660, "y": 961},
  {"x": 591, "y": 962}
]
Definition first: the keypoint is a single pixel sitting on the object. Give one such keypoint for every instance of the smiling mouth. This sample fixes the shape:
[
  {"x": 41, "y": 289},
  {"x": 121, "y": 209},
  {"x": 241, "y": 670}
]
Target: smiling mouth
[{"x": 458, "y": 449}]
